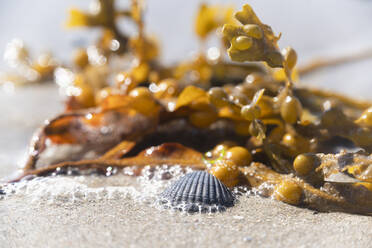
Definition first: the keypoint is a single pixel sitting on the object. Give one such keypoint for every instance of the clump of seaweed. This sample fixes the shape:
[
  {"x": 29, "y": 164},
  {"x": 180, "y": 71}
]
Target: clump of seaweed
[{"x": 246, "y": 122}]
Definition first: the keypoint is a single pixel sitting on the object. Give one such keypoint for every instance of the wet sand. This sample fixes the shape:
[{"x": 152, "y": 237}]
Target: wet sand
[{"x": 115, "y": 217}]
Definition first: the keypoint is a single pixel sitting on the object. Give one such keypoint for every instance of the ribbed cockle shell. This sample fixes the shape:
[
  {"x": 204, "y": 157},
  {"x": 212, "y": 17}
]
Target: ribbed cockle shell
[{"x": 198, "y": 191}]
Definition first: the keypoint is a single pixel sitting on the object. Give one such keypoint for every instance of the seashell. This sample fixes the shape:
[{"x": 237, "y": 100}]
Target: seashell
[{"x": 198, "y": 191}]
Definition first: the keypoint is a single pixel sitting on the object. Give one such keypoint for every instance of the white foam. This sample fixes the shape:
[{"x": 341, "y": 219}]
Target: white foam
[{"x": 64, "y": 190}]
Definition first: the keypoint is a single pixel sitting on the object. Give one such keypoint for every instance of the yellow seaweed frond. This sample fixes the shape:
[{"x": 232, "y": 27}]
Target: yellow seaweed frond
[
  {"x": 77, "y": 19},
  {"x": 253, "y": 40}
]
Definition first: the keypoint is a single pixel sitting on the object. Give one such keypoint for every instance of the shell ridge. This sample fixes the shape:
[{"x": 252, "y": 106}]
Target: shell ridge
[
  {"x": 194, "y": 187},
  {"x": 198, "y": 197},
  {"x": 169, "y": 194},
  {"x": 181, "y": 190},
  {"x": 189, "y": 200},
  {"x": 175, "y": 188},
  {"x": 228, "y": 195},
  {"x": 205, "y": 190},
  {"x": 189, "y": 185},
  {"x": 223, "y": 191},
  {"x": 218, "y": 191},
  {"x": 212, "y": 189}
]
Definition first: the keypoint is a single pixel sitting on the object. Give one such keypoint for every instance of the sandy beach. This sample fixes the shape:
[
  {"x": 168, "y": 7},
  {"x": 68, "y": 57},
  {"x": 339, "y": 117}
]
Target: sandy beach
[
  {"x": 81, "y": 212},
  {"x": 121, "y": 210}
]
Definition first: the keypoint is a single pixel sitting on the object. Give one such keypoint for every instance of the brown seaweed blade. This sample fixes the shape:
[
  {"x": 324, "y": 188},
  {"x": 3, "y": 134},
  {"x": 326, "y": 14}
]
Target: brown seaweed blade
[
  {"x": 165, "y": 154},
  {"x": 80, "y": 129},
  {"x": 119, "y": 150},
  {"x": 38, "y": 141}
]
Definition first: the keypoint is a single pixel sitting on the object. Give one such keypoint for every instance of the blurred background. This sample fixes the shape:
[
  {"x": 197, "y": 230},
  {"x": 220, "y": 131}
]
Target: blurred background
[{"x": 314, "y": 28}]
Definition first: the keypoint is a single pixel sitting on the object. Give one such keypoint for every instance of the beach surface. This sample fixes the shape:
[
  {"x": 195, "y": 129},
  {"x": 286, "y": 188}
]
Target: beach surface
[
  {"x": 113, "y": 212},
  {"x": 120, "y": 210}
]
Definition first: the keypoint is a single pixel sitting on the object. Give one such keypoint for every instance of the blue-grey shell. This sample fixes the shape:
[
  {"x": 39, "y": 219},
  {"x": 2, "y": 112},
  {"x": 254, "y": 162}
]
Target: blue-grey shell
[{"x": 198, "y": 191}]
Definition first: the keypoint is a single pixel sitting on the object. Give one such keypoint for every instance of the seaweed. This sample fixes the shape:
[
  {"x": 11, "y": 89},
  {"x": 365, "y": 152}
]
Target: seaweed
[{"x": 246, "y": 122}]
